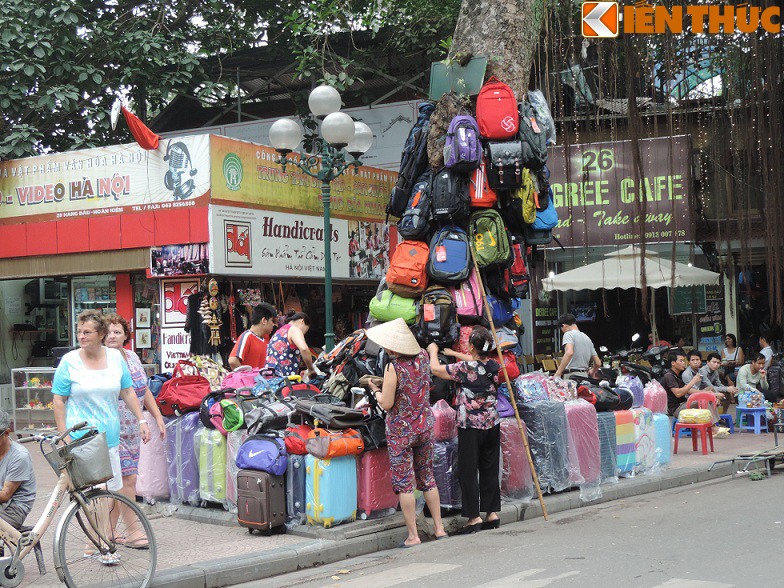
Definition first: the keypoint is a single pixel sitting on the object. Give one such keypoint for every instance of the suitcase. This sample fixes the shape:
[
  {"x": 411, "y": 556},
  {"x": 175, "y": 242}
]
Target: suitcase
[
  {"x": 644, "y": 440},
  {"x": 152, "y": 481},
  {"x": 212, "y": 465},
  {"x": 516, "y": 478},
  {"x": 181, "y": 458},
  {"x": 655, "y": 397},
  {"x": 663, "y": 435},
  {"x": 445, "y": 427},
  {"x": 634, "y": 385},
  {"x": 374, "y": 484},
  {"x": 261, "y": 501},
  {"x": 295, "y": 490},
  {"x": 624, "y": 442},
  {"x": 331, "y": 490},
  {"x": 607, "y": 446},
  {"x": 549, "y": 443},
  {"x": 233, "y": 441},
  {"x": 584, "y": 426},
  {"x": 446, "y": 474}
]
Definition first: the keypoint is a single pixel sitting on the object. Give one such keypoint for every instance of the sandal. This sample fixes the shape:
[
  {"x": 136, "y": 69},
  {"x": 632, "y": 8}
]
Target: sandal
[
  {"x": 137, "y": 544},
  {"x": 110, "y": 559}
]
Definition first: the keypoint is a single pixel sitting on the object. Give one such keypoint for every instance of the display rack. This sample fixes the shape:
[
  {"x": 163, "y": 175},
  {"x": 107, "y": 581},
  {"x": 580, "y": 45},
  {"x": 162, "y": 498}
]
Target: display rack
[{"x": 32, "y": 397}]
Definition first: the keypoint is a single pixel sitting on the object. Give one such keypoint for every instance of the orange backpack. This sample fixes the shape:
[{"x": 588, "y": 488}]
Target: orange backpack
[
  {"x": 482, "y": 195},
  {"x": 406, "y": 275}
]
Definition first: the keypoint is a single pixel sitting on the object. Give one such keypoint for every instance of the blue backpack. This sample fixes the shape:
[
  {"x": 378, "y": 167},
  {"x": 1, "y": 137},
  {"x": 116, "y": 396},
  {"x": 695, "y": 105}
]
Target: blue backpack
[
  {"x": 264, "y": 454},
  {"x": 502, "y": 310},
  {"x": 548, "y": 218},
  {"x": 449, "y": 261},
  {"x": 415, "y": 222},
  {"x": 462, "y": 148}
]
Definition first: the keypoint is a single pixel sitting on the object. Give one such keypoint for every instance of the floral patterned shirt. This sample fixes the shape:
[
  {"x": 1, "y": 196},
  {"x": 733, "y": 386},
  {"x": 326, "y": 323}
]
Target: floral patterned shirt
[
  {"x": 282, "y": 356},
  {"x": 410, "y": 415},
  {"x": 476, "y": 396}
]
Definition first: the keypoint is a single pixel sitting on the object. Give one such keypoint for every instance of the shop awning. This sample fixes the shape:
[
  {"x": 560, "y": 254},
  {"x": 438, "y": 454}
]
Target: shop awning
[{"x": 75, "y": 264}]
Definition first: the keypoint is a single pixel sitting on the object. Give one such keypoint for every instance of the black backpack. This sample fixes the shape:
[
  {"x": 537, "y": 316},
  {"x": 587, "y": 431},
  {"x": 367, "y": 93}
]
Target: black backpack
[
  {"x": 413, "y": 161},
  {"x": 414, "y": 225},
  {"x": 533, "y": 137},
  {"x": 450, "y": 197},
  {"x": 438, "y": 317},
  {"x": 442, "y": 389}
]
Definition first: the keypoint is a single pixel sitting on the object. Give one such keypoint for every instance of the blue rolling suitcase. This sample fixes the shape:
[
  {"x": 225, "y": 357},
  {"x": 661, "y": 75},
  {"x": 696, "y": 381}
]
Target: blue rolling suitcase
[
  {"x": 607, "y": 448},
  {"x": 331, "y": 490},
  {"x": 295, "y": 490},
  {"x": 663, "y": 432}
]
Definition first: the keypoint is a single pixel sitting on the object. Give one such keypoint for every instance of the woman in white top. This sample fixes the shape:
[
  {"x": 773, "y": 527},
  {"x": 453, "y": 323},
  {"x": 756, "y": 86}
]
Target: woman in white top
[{"x": 732, "y": 358}]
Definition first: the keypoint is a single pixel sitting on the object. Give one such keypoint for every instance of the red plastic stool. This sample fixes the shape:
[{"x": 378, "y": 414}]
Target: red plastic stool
[{"x": 704, "y": 429}]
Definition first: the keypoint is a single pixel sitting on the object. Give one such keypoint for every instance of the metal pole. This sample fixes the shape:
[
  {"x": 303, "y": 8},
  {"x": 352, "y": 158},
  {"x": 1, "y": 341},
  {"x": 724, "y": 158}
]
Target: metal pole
[{"x": 329, "y": 335}]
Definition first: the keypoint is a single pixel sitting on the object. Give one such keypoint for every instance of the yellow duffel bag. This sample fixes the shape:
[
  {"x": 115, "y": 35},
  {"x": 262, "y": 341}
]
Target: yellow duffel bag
[{"x": 695, "y": 415}]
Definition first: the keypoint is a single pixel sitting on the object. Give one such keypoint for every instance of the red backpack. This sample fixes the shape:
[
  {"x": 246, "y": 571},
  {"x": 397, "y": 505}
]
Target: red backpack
[
  {"x": 518, "y": 272},
  {"x": 496, "y": 111},
  {"x": 407, "y": 275},
  {"x": 482, "y": 195}
]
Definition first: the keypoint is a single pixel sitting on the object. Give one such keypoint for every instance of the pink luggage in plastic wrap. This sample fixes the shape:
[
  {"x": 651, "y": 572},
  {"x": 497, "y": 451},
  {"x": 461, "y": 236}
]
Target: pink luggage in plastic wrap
[
  {"x": 516, "y": 479},
  {"x": 446, "y": 421},
  {"x": 153, "y": 480},
  {"x": 655, "y": 397},
  {"x": 644, "y": 440},
  {"x": 233, "y": 441},
  {"x": 374, "y": 484},
  {"x": 584, "y": 437}
]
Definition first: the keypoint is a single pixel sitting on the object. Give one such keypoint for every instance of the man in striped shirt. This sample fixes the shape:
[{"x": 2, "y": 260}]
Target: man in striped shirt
[{"x": 251, "y": 347}]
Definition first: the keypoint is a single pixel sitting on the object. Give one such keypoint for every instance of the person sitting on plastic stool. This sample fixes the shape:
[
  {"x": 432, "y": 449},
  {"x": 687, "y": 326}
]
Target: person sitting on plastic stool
[{"x": 16, "y": 476}]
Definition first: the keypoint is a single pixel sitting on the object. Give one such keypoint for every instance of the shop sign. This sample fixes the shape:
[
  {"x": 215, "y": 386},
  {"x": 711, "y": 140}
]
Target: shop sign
[
  {"x": 254, "y": 242},
  {"x": 601, "y": 200},
  {"x": 175, "y": 301},
  {"x": 106, "y": 180},
  {"x": 175, "y": 346},
  {"x": 545, "y": 322},
  {"x": 179, "y": 260},
  {"x": 249, "y": 175}
]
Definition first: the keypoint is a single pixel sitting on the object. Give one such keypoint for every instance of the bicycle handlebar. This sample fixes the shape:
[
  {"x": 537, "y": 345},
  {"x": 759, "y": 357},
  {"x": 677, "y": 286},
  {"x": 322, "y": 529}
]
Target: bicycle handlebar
[{"x": 76, "y": 427}]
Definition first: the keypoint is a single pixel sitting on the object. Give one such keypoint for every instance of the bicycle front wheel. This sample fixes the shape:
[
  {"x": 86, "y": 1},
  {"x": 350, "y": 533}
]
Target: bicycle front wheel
[{"x": 108, "y": 542}]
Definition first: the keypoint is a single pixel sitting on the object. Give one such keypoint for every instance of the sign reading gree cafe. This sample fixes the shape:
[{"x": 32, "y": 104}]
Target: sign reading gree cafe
[{"x": 602, "y": 200}]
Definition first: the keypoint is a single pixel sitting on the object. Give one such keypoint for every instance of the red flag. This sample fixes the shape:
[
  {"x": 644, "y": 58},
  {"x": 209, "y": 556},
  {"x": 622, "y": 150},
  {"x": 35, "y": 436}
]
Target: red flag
[{"x": 140, "y": 131}]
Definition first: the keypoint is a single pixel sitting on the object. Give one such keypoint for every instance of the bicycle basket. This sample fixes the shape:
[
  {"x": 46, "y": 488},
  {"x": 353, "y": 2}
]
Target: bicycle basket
[{"x": 86, "y": 460}]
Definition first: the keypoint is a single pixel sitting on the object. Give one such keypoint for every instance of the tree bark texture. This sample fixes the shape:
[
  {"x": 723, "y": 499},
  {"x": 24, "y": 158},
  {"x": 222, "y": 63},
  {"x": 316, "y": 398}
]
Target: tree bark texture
[{"x": 506, "y": 32}]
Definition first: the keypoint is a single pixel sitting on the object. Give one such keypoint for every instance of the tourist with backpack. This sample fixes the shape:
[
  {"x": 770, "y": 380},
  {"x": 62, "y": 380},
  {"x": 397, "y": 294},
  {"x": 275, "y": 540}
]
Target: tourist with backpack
[{"x": 404, "y": 394}]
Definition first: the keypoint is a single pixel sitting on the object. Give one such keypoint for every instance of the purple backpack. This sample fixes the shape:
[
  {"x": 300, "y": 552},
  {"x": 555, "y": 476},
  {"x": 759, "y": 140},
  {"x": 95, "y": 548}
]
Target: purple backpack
[
  {"x": 264, "y": 454},
  {"x": 462, "y": 149}
]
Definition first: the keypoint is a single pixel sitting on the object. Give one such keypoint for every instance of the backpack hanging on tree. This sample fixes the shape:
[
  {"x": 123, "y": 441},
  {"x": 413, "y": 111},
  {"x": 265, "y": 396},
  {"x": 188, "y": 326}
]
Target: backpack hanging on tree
[
  {"x": 546, "y": 218},
  {"x": 406, "y": 275},
  {"x": 505, "y": 165},
  {"x": 518, "y": 271},
  {"x": 497, "y": 114},
  {"x": 496, "y": 281},
  {"x": 479, "y": 190},
  {"x": 438, "y": 317},
  {"x": 447, "y": 108},
  {"x": 450, "y": 256},
  {"x": 468, "y": 300},
  {"x": 386, "y": 306},
  {"x": 449, "y": 195},
  {"x": 462, "y": 148},
  {"x": 414, "y": 225},
  {"x": 413, "y": 161},
  {"x": 490, "y": 239},
  {"x": 533, "y": 138}
]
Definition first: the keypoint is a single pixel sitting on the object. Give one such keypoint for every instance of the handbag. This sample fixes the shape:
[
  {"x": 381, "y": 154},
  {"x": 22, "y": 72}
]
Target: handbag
[
  {"x": 242, "y": 377},
  {"x": 182, "y": 394},
  {"x": 298, "y": 390},
  {"x": 263, "y": 453},
  {"x": 326, "y": 444},
  {"x": 374, "y": 432},
  {"x": 295, "y": 436},
  {"x": 267, "y": 415}
]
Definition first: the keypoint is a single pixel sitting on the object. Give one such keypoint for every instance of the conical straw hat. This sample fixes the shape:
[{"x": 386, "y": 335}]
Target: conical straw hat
[{"x": 394, "y": 336}]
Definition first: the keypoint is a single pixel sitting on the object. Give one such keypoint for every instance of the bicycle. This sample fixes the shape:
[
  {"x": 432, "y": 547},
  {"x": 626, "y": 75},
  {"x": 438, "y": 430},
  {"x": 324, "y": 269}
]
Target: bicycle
[{"x": 89, "y": 545}]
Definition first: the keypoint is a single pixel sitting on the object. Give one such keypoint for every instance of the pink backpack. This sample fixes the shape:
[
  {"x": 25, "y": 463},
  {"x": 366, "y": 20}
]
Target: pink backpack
[
  {"x": 468, "y": 298},
  {"x": 243, "y": 377}
]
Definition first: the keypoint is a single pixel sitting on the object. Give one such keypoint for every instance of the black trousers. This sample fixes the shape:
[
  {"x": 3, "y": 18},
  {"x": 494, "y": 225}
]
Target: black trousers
[{"x": 479, "y": 451}]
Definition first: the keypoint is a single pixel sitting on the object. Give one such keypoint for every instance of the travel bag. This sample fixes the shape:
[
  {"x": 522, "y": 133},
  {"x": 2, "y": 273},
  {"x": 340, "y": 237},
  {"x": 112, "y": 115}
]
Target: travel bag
[
  {"x": 532, "y": 137},
  {"x": 635, "y": 386},
  {"x": 497, "y": 114},
  {"x": 446, "y": 474},
  {"x": 267, "y": 415},
  {"x": 516, "y": 478},
  {"x": 295, "y": 490},
  {"x": 414, "y": 225},
  {"x": 331, "y": 416},
  {"x": 156, "y": 382},
  {"x": 529, "y": 388},
  {"x": 438, "y": 317},
  {"x": 261, "y": 501},
  {"x": 264, "y": 453},
  {"x": 212, "y": 465},
  {"x": 504, "y": 165},
  {"x": 655, "y": 397},
  {"x": 407, "y": 275},
  {"x": 326, "y": 444},
  {"x": 490, "y": 239},
  {"x": 152, "y": 480},
  {"x": 501, "y": 310},
  {"x": 386, "y": 306},
  {"x": 445, "y": 427},
  {"x": 468, "y": 300},
  {"x": 462, "y": 148},
  {"x": 441, "y": 389},
  {"x": 625, "y": 450},
  {"x": 450, "y": 197},
  {"x": 234, "y": 441},
  {"x": 413, "y": 161},
  {"x": 479, "y": 190},
  {"x": 183, "y": 393},
  {"x": 607, "y": 446},
  {"x": 644, "y": 440},
  {"x": 298, "y": 390},
  {"x": 183, "y": 467},
  {"x": 662, "y": 429},
  {"x": 331, "y": 489},
  {"x": 584, "y": 429},
  {"x": 549, "y": 443},
  {"x": 242, "y": 377},
  {"x": 450, "y": 257},
  {"x": 374, "y": 484}
]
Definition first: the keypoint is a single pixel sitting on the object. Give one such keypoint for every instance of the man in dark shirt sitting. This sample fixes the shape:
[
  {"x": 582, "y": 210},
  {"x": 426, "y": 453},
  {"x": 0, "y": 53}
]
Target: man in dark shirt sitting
[{"x": 676, "y": 389}]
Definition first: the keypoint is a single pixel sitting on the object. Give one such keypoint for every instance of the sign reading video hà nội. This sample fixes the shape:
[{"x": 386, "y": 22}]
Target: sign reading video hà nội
[{"x": 602, "y": 199}]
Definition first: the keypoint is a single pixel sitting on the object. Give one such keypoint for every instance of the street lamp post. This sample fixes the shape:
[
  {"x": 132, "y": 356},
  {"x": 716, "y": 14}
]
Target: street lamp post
[{"x": 340, "y": 135}]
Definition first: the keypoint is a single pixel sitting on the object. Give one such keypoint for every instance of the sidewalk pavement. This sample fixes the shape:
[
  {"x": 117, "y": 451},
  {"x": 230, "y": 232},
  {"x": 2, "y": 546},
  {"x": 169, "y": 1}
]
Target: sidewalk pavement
[{"x": 203, "y": 548}]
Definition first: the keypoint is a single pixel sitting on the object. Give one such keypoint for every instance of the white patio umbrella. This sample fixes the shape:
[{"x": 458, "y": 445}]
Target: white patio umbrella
[{"x": 622, "y": 269}]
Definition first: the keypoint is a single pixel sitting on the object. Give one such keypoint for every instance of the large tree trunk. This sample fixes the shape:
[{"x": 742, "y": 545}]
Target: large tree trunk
[{"x": 505, "y": 31}]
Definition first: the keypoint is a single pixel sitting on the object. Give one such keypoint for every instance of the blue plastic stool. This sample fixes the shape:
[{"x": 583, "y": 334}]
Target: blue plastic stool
[
  {"x": 684, "y": 432},
  {"x": 727, "y": 418},
  {"x": 758, "y": 414}
]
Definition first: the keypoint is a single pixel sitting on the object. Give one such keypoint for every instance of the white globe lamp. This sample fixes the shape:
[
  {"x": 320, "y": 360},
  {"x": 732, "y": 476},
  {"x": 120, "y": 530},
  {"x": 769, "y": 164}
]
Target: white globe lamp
[
  {"x": 324, "y": 100},
  {"x": 363, "y": 140},
  {"x": 285, "y": 135},
  {"x": 338, "y": 129}
]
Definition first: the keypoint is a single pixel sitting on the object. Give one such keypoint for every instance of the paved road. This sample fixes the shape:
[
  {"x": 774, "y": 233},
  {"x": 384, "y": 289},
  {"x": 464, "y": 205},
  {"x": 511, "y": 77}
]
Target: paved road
[{"x": 695, "y": 537}]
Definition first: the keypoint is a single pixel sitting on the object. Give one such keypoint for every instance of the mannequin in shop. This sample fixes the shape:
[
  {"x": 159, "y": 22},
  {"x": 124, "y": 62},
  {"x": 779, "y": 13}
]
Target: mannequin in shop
[{"x": 251, "y": 346}]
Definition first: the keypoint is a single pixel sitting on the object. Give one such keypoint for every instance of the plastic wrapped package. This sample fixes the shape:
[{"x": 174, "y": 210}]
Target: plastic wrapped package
[
  {"x": 644, "y": 440},
  {"x": 625, "y": 452},
  {"x": 375, "y": 497},
  {"x": 531, "y": 387},
  {"x": 584, "y": 428},
  {"x": 331, "y": 490},
  {"x": 655, "y": 397},
  {"x": 575, "y": 475},
  {"x": 549, "y": 443},
  {"x": 663, "y": 435},
  {"x": 446, "y": 474},
  {"x": 561, "y": 390},
  {"x": 516, "y": 479},
  {"x": 152, "y": 482},
  {"x": 181, "y": 458},
  {"x": 233, "y": 441},
  {"x": 212, "y": 465},
  {"x": 445, "y": 427},
  {"x": 543, "y": 115},
  {"x": 634, "y": 385},
  {"x": 609, "y": 461}
]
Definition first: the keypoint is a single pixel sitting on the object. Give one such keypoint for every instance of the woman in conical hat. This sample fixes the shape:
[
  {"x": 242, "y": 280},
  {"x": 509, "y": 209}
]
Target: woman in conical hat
[{"x": 405, "y": 395}]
